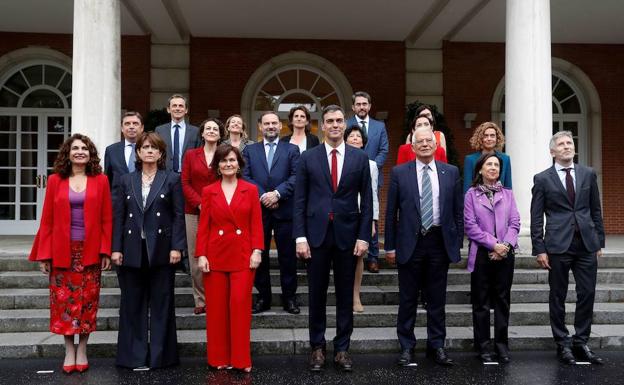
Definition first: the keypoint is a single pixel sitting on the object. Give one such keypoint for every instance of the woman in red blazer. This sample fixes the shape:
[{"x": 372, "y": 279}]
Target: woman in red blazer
[
  {"x": 229, "y": 247},
  {"x": 407, "y": 154},
  {"x": 197, "y": 174},
  {"x": 73, "y": 244}
]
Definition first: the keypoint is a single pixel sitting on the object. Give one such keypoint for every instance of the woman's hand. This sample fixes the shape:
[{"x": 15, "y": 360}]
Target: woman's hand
[
  {"x": 174, "y": 256},
  {"x": 501, "y": 249},
  {"x": 202, "y": 264},
  {"x": 255, "y": 259},
  {"x": 106, "y": 263},
  {"x": 44, "y": 266},
  {"x": 117, "y": 258}
]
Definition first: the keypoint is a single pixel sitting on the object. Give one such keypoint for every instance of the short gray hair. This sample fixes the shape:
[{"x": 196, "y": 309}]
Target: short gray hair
[
  {"x": 553, "y": 139},
  {"x": 422, "y": 129}
]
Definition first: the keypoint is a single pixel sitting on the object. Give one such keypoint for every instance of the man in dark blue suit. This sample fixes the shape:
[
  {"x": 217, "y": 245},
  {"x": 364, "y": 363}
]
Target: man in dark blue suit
[
  {"x": 332, "y": 225},
  {"x": 119, "y": 157},
  {"x": 271, "y": 165},
  {"x": 424, "y": 232},
  {"x": 377, "y": 150}
]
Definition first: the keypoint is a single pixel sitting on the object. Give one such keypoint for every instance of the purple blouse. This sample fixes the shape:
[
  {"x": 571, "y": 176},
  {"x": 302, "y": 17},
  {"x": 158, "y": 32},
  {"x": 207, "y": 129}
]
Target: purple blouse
[{"x": 76, "y": 204}]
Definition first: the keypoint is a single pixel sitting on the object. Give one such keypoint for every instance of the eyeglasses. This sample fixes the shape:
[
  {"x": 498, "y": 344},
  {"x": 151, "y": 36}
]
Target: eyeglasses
[{"x": 423, "y": 141}]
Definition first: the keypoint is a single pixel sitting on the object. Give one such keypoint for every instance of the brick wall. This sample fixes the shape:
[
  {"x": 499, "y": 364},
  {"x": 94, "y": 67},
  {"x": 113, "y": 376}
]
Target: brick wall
[{"x": 473, "y": 70}]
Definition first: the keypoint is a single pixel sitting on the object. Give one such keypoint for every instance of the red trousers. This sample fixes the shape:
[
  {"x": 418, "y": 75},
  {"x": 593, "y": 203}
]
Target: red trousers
[{"x": 228, "y": 317}]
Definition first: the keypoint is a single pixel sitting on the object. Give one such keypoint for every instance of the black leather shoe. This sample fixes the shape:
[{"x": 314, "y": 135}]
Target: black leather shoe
[
  {"x": 260, "y": 306},
  {"x": 291, "y": 307},
  {"x": 405, "y": 359},
  {"x": 564, "y": 353},
  {"x": 486, "y": 357},
  {"x": 584, "y": 353},
  {"x": 372, "y": 267},
  {"x": 440, "y": 357},
  {"x": 503, "y": 359},
  {"x": 317, "y": 360},
  {"x": 343, "y": 361}
]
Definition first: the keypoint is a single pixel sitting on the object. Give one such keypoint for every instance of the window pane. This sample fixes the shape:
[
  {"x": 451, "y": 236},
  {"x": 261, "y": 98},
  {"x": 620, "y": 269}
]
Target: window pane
[
  {"x": 29, "y": 124},
  {"x": 29, "y": 159},
  {"x": 55, "y": 141},
  {"x": 571, "y": 106},
  {"x": 17, "y": 83},
  {"x": 264, "y": 103},
  {"x": 29, "y": 141},
  {"x": 52, "y": 75},
  {"x": 7, "y": 212},
  {"x": 307, "y": 79},
  {"x": 562, "y": 91},
  {"x": 43, "y": 99},
  {"x": 28, "y": 212},
  {"x": 297, "y": 100},
  {"x": 289, "y": 79},
  {"x": 8, "y": 141},
  {"x": 572, "y": 127},
  {"x": 322, "y": 88},
  {"x": 8, "y": 99},
  {"x": 7, "y": 159},
  {"x": 52, "y": 157},
  {"x": 332, "y": 99},
  {"x": 56, "y": 124},
  {"x": 66, "y": 84},
  {"x": 7, "y": 176},
  {"x": 28, "y": 195},
  {"x": 28, "y": 176},
  {"x": 7, "y": 194},
  {"x": 8, "y": 123},
  {"x": 555, "y": 108},
  {"x": 273, "y": 87},
  {"x": 34, "y": 75}
]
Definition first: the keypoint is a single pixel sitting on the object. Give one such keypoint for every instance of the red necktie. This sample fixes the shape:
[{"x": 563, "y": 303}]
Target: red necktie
[{"x": 334, "y": 170}]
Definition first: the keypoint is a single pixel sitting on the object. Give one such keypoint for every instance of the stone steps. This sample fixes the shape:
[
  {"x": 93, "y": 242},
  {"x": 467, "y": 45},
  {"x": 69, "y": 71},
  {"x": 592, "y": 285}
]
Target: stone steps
[
  {"x": 37, "y": 320},
  {"x": 295, "y": 341}
]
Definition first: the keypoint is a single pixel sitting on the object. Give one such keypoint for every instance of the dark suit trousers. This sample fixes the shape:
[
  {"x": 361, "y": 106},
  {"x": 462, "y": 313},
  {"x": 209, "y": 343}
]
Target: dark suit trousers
[
  {"x": 427, "y": 268},
  {"x": 584, "y": 266},
  {"x": 490, "y": 287},
  {"x": 286, "y": 256},
  {"x": 343, "y": 262},
  {"x": 147, "y": 303}
]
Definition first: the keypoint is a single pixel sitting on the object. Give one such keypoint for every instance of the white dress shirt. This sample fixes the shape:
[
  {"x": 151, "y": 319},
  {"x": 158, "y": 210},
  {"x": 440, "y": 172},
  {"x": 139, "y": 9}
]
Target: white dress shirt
[
  {"x": 562, "y": 175},
  {"x": 365, "y": 120},
  {"x": 340, "y": 154},
  {"x": 127, "y": 150},
  {"x": 181, "y": 133},
  {"x": 435, "y": 187}
]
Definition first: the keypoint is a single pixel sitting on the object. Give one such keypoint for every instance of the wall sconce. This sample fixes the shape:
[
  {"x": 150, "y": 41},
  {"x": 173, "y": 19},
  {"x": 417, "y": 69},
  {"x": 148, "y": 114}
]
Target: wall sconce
[
  {"x": 214, "y": 113},
  {"x": 469, "y": 117},
  {"x": 381, "y": 115}
]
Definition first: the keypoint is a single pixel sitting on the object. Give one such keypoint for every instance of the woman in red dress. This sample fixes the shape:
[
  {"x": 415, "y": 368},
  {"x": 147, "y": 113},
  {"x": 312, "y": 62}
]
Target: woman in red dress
[
  {"x": 197, "y": 174},
  {"x": 229, "y": 247},
  {"x": 407, "y": 154},
  {"x": 73, "y": 244}
]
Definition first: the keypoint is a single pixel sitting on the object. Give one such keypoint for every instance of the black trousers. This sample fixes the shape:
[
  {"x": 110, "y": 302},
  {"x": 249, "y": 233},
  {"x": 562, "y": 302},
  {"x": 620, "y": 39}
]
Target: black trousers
[
  {"x": 147, "y": 304},
  {"x": 584, "y": 266},
  {"x": 286, "y": 256},
  {"x": 325, "y": 257},
  {"x": 490, "y": 287},
  {"x": 426, "y": 269}
]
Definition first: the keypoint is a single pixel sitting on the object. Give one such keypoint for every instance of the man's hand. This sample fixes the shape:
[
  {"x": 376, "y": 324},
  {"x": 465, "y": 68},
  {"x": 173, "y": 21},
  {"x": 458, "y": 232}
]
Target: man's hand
[
  {"x": 202, "y": 264},
  {"x": 174, "y": 256},
  {"x": 117, "y": 258},
  {"x": 268, "y": 199},
  {"x": 599, "y": 253},
  {"x": 303, "y": 250},
  {"x": 391, "y": 258},
  {"x": 542, "y": 260},
  {"x": 360, "y": 248}
]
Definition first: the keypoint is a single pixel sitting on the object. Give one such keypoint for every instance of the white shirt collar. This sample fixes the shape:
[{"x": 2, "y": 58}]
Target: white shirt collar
[
  {"x": 182, "y": 124},
  {"x": 126, "y": 143},
  {"x": 559, "y": 167},
  {"x": 340, "y": 148},
  {"x": 366, "y": 119},
  {"x": 276, "y": 141},
  {"x": 420, "y": 165}
]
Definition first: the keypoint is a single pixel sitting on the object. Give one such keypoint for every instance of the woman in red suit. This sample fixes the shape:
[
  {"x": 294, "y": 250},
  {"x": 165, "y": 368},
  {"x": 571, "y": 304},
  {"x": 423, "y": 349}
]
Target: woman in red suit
[
  {"x": 73, "y": 244},
  {"x": 229, "y": 247},
  {"x": 197, "y": 174},
  {"x": 406, "y": 153}
]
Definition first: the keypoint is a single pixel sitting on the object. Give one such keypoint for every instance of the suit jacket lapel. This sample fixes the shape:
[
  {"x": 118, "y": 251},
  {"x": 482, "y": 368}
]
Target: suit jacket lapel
[
  {"x": 442, "y": 182},
  {"x": 238, "y": 195},
  {"x": 322, "y": 159},
  {"x": 413, "y": 183},
  {"x": 187, "y": 137},
  {"x": 278, "y": 151},
  {"x": 346, "y": 166},
  {"x": 136, "y": 188},
  {"x": 559, "y": 186},
  {"x": 159, "y": 180},
  {"x": 263, "y": 156},
  {"x": 580, "y": 177}
]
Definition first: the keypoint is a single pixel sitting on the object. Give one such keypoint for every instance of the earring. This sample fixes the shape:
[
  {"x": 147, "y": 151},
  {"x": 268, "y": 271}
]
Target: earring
[{"x": 239, "y": 171}]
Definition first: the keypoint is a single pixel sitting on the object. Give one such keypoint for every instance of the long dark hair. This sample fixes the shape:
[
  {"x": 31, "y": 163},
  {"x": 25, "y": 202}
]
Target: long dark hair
[
  {"x": 62, "y": 163},
  {"x": 478, "y": 178}
]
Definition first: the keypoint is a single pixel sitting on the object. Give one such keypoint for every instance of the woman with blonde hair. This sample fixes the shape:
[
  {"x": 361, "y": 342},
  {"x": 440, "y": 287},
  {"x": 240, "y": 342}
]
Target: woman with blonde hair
[{"x": 236, "y": 131}]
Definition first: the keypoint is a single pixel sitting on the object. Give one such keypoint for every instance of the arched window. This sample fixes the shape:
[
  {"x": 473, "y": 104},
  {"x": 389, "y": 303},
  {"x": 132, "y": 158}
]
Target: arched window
[{"x": 37, "y": 86}]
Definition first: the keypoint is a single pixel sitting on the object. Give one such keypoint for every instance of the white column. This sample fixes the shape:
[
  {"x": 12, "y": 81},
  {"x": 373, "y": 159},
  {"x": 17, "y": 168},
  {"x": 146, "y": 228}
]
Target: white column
[
  {"x": 96, "y": 72},
  {"x": 528, "y": 97}
]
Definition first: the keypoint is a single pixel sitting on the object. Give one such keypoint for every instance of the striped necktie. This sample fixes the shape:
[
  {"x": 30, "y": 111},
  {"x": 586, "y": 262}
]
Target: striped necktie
[{"x": 426, "y": 209}]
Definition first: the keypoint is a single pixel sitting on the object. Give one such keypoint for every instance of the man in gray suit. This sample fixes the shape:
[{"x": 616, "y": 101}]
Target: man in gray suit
[
  {"x": 567, "y": 193},
  {"x": 178, "y": 135}
]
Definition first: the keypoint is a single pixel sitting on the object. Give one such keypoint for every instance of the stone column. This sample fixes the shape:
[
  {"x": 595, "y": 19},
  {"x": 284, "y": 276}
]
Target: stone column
[
  {"x": 528, "y": 98},
  {"x": 96, "y": 72}
]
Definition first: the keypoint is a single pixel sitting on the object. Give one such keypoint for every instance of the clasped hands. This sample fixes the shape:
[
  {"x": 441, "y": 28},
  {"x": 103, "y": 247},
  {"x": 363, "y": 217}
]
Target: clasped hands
[
  {"x": 500, "y": 252},
  {"x": 254, "y": 261},
  {"x": 270, "y": 200}
]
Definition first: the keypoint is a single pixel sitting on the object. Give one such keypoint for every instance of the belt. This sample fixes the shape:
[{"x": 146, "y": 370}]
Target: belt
[{"x": 431, "y": 229}]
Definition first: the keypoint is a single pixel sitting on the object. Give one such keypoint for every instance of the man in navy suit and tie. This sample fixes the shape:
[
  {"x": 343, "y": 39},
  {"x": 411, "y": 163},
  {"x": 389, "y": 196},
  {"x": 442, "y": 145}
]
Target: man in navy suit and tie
[
  {"x": 271, "y": 165},
  {"x": 331, "y": 223},
  {"x": 377, "y": 150},
  {"x": 424, "y": 233},
  {"x": 178, "y": 135},
  {"x": 567, "y": 193},
  {"x": 119, "y": 157}
]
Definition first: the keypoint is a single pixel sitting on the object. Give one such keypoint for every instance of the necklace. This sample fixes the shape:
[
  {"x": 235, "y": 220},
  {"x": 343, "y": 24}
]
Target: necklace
[{"x": 147, "y": 179}]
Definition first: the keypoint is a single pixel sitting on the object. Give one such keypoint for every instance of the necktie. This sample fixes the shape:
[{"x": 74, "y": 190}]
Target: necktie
[
  {"x": 363, "y": 126},
  {"x": 176, "y": 148},
  {"x": 270, "y": 154},
  {"x": 334, "y": 169},
  {"x": 132, "y": 158},
  {"x": 426, "y": 210},
  {"x": 569, "y": 185}
]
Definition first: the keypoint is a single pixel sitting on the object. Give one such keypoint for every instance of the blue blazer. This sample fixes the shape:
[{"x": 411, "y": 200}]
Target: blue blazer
[
  {"x": 115, "y": 162},
  {"x": 470, "y": 162},
  {"x": 162, "y": 219},
  {"x": 191, "y": 140},
  {"x": 377, "y": 145},
  {"x": 315, "y": 198},
  {"x": 280, "y": 178},
  {"x": 403, "y": 211}
]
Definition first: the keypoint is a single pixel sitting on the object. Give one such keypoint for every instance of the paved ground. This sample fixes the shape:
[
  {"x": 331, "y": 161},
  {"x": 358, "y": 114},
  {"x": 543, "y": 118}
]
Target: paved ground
[{"x": 527, "y": 367}]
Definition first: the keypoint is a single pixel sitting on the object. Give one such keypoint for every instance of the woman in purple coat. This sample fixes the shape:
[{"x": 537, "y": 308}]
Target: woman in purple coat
[{"x": 491, "y": 222}]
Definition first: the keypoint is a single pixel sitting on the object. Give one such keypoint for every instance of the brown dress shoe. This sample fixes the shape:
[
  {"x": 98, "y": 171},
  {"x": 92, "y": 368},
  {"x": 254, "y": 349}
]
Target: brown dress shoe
[
  {"x": 372, "y": 267},
  {"x": 317, "y": 360},
  {"x": 343, "y": 361}
]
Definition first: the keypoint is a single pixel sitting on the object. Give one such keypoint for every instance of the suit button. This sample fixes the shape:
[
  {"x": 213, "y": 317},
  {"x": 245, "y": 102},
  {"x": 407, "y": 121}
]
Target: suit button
[
  {"x": 129, "y": 231},
  {"x": 220, "y": 232},
  {"x": 130, "y": 215},
  {"x": 162, "y": 195},
  {"x": 159, "y": 231},
  {"x": 128, "y": 197},
  {"x": 158, "y": 214},
  {"x": 238, "y": 231}
]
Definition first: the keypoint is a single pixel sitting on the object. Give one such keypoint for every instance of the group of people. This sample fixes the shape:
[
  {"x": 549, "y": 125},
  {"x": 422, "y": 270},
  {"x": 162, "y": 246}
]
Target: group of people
[{"x": 213, "y": 195}]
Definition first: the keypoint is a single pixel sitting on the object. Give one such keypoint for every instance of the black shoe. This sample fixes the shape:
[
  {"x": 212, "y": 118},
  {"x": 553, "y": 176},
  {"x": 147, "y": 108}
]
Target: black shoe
[
  {"x": 486, "y": 357},
  {"x": 405, "y": 359},
  {"x": 440, "y": 357},
  {"x": 564, "y": 353},
  {"x": 260, "y": 306},
  {"x": 343, "y": 361},
  {"x": 584, "y": 353},
  {"x": 317, "y": 360},
  {"x": 503, "y": 359},
  {"x": 291, "y": 307}
]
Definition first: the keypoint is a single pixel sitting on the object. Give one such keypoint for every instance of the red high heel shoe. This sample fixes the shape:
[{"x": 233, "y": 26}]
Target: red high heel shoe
[
  {"x": 69, "y": 369},
  {"x": 82, "y": 368}
]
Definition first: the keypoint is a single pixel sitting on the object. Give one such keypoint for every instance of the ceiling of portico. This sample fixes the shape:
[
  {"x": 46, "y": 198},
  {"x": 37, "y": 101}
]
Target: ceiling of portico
[{"x": 421, "y": 23}]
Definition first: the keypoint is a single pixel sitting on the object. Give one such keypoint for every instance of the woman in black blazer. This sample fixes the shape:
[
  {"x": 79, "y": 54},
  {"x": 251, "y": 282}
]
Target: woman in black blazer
[
  {"x": 299, "y": 123},
  {"x": 149, "y": 237}
]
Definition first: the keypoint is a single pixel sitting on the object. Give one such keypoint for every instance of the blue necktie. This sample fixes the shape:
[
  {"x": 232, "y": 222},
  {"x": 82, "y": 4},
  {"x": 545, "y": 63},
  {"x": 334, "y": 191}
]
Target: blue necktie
[
  {"x": 176, "y": 148},
  {"x": 132, "y": 158},
  {"x": 426, "y": 210},
  {"x": 271, "y": 154}
]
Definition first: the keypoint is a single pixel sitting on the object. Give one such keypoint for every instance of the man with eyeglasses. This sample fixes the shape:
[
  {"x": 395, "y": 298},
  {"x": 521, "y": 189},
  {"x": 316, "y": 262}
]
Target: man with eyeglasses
[{"x": 424, "y": 233}]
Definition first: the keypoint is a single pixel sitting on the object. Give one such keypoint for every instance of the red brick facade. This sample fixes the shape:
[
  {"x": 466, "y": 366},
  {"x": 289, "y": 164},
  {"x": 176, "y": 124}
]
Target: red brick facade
[{"x": 473, "y": 70}]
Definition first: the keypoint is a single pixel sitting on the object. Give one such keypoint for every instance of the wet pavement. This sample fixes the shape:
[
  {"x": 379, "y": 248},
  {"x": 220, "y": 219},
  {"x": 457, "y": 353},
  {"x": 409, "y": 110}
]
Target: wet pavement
[{"x": 540, "y": 367}]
